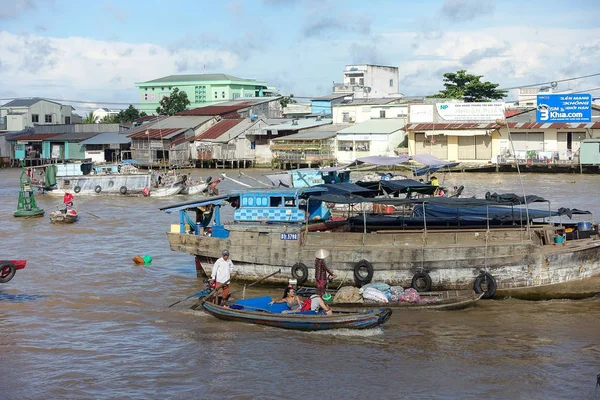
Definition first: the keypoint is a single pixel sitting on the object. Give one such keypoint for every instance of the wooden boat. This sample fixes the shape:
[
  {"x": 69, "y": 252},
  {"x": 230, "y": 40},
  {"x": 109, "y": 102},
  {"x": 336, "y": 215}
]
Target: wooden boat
[
  {"x": 450, "y": 300},
  {"x": 61, "y": 217},
  {"x": 258, "y": 311},
  {"x": 8, "y": 269}
]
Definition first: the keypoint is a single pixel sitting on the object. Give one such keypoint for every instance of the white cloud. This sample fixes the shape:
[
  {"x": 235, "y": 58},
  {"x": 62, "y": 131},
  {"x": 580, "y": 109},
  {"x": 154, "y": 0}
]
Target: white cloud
[{"x": 66, "y": 67}]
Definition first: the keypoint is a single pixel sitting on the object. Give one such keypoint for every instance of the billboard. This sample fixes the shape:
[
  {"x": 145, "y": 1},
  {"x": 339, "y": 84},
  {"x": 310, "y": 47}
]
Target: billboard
[
  {"x": 420, "y": 113},
  {"x": 471, "y": 111},
  {"x": 574, "y": 108}
]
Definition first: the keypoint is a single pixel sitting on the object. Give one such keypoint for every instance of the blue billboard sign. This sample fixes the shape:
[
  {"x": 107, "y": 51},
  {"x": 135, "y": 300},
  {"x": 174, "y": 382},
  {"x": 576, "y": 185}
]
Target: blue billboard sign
[{"x": 574, "y": 108}]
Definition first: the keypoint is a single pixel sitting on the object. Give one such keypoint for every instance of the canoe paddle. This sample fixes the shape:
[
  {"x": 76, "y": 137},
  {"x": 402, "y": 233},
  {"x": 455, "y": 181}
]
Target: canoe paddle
[{"x": 198, "y": 294}]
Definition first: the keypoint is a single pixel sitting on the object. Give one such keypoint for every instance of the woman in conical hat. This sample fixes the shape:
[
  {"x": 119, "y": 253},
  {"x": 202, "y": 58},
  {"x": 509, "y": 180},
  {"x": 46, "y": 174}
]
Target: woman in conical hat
[{"x": 322, "y": 273}]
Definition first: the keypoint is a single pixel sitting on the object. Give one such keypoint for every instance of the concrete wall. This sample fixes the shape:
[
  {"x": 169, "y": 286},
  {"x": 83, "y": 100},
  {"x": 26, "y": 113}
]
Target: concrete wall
[
  {"x": 58, "y": 113},
  {"x": 361, "y": 113},
  {"x": 379, "y": 145}
]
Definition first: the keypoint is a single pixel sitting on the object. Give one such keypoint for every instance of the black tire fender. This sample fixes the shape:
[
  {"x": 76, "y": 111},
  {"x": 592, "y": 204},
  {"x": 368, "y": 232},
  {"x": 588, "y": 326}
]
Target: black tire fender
[
  {"x": 300, "y": 273},
  {"x": 363, "y": 272},
  {"x": 421, "y": 282},
  {"x": 98, "y": 189},
  {"x": 487, "y": 279},
  {"x": 7, "y": 271},
  {"x": 77, "y": 189},
  {"x": 123, "y": 190}
]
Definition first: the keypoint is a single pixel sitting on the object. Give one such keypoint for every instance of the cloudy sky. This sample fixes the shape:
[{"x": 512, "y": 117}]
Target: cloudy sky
[{"x": 96, "y": 50}]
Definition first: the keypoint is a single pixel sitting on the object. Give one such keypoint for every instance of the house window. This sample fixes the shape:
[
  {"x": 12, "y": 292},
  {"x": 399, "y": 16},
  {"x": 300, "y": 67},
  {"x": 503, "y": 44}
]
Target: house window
[
  {"x": 361, "y": 81},
  {"x": 68, "y": 120},
  {"x": 352, "y": 81},
  {"x": 48, "y": 118},
  {"x": 391, "y": 83},
  {"x": 381, "y": 113},
  {"x": 223, "y": 94},
  {"x": 346, "y": 117},
  {"x": 216, "y": 95},
  {"x": 345, "y": 145},
  {"x": 145, "y": 96},
  {"x": 236, "y": 96},
  {"x": 363, "y": 146},
  {"x": 35, "y": 118}
]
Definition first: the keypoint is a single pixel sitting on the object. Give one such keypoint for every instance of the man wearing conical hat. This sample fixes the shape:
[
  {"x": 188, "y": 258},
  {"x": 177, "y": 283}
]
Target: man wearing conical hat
[{"x": 322, "y": 273}]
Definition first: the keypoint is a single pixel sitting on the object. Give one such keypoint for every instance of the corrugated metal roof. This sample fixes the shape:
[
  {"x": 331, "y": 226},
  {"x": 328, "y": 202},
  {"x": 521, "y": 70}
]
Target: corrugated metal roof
[
  {"x": 216, "y": 110},
  {"x": 35, "y": 137},
  {"x": 75, "y": 136},
  {"x": 366, "y": 102},
  {"x": 301, "y": 124},
  {"x": 108, "y": 138},
  {"x": 512, "y": 125},
  {"x": 312, "y": 135},
  {"x": 152, "y": 133},
  {"x": 332, "y": 96},
  {"x": 26, "y": 102},
  {"x": 218, "y": 129},
  {"x": 335, "y": 128},
  {"x": 383, "y": 125},
  {"x": 198, "y": 77},
  {"x": 174, "y": 122}
]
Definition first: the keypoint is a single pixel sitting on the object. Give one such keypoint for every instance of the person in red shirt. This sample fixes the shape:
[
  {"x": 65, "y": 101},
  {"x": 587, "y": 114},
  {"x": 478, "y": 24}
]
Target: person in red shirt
[
  {"x": 67, "y": 198},
  {"x": 322, "y": 273}
]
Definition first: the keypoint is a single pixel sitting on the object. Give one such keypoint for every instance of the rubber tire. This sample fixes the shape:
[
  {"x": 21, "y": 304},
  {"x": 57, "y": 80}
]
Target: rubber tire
[
  {"x": 98, "y": 189},
  {"x": 421, "y": 276},
  {"x": 491, "y": 283},
  {"x": 77, "y": 189},
  {"x": 300, "y": 273},
  {"x": 359, "y": 267},
  {"x": 123, "y": 190},
  {"x": 111, "y": 184},
  {"x": 7, "y": 271}
]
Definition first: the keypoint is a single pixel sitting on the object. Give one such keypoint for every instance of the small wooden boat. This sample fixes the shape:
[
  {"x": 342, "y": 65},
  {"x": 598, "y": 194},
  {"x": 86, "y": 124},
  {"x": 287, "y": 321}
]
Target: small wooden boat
[
  {"x": 450, "y": 300},
  {"x": 61, "y": 217},
  {"x": 8, "y": 269},
  {"x": 259, "y": 311}
]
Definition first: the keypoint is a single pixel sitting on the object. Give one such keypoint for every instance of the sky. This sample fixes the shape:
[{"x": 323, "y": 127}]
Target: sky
[{"x": 95, "y": 51}]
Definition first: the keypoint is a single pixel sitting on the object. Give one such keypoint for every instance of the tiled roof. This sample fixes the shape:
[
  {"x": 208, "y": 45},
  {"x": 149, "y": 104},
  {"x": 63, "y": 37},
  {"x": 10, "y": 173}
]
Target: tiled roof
[
  {"x": 456, "y": 126},
  {"x": 218, "y": 129},
  {"x": 26, "y": 102},
  {"x": 216, "y": 110}
]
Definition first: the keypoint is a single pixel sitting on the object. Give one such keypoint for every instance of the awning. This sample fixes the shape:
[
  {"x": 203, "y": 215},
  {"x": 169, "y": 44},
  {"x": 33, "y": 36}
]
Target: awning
[
  {"x": 193, "y": 204},
  {"x": 457, "y": 132}
]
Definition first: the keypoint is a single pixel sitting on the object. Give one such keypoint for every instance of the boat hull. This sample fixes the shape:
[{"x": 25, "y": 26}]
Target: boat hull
[
  {"x": 523, "y": 263},
  {"x": 459, "y": 302},
  {"x": 58, "y": 217},
  {"x": 301, "y": 322},
  {"x": 102, "y": 185}
]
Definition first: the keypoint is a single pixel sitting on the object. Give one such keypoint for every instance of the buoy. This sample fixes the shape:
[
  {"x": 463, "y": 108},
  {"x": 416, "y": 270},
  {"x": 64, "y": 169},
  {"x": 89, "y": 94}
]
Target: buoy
[
  {"x": 147, "y": 259},
  {"x": 138, "y": 259}
]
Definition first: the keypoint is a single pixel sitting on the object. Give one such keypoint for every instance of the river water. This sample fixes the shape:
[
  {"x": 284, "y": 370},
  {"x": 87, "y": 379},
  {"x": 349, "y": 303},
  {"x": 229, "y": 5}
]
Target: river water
[{"x": 81, "y": 321}]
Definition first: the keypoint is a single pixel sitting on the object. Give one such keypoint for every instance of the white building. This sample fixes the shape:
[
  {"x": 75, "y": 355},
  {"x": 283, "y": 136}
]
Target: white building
[
  {"x": 375, "y": 137},
  {"x": 18, "y": 114},
  {"x": 528, "y": 96},
  {"x": 102, "y": 113},
  {"x": 361, "y": 110},
  {"x": 369, "y": 81}
]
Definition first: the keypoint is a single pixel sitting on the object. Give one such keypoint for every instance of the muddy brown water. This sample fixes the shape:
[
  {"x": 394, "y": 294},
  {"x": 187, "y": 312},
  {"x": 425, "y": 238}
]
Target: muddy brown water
[{"x": 82, "y": 322}]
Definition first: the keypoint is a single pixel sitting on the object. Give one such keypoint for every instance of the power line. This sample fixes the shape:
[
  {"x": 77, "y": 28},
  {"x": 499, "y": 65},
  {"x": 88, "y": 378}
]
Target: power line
[{"x": 550, "y": 82}]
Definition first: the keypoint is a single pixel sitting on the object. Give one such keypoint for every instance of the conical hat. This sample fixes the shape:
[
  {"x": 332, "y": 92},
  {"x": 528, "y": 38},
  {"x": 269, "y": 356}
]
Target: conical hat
[{"x": 322, "y": 254}]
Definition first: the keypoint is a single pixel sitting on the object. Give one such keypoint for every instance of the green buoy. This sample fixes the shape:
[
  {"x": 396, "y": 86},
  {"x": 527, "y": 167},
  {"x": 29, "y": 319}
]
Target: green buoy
[{"x": 27, "y": 207}]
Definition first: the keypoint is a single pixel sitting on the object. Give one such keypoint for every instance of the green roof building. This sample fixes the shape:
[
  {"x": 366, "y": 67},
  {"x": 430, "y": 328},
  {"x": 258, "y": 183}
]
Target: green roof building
[{"x": 202, "y": 89}]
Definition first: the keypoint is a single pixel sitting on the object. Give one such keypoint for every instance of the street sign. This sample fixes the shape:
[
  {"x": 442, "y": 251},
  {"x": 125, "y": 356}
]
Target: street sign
[{"x": 574, "y": 108}]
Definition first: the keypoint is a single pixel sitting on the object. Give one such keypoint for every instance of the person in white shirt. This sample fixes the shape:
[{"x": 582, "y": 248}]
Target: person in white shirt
[{"x": 220, "y": 276}]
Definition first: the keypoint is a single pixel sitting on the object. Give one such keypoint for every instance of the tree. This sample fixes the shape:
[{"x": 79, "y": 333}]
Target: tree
[
  {"x": 110, "y": 119},
  {"x": 284, "y": 101},
  {"x": 176, "y": 102},
  {"x": 129, "y": 115},
  {"x": 467, "y": 87},
  {"x": 89, "y": 119}
]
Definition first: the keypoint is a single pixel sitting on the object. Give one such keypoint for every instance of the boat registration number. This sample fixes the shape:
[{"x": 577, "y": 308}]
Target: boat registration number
[{"x": 289, "y": 236}]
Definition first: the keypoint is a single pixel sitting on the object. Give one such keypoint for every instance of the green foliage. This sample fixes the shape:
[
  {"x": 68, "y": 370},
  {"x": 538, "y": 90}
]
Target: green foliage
[
  {"x": 110, "y": 119},
  {"x": 176, "y": 102},
  {"x": 468, "y": 87},
  {"x": 89, "y": 119},
  {"x": 129, "y": 115},
  {"x": 284, "y": 101}
]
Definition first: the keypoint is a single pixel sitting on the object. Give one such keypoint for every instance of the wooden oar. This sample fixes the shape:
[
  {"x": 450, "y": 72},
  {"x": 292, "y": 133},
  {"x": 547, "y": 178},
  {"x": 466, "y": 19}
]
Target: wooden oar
[
  {"x": 257, "y": 282},
  {"x": 190, "y": 296},
  {"x": 94, "y": 215}
]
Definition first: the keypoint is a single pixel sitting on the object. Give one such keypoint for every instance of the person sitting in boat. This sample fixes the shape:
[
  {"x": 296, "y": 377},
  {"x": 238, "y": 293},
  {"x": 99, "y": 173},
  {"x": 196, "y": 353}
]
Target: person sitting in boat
[
  {"x": 293, "y": 301},
  {"x": 69, "y": 210},
  {"x": 68, "y": 198},
  {"x": 319, "y": 305},
  {"x": 434, "y": 181}
]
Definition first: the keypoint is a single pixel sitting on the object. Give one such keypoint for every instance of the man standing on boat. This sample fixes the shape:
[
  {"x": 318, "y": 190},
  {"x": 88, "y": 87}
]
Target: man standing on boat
[
  {"x": 221, "y": 275},
  {"x": 322, "y": 273}
]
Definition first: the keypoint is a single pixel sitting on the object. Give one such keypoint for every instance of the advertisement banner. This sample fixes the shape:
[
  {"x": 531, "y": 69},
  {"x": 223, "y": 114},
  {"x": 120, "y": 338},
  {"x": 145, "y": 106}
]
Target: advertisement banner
[
  {"x": 471, "y": 111},
  {"x": 574, "y": 108},
  {"x": 419, "y": 113}
]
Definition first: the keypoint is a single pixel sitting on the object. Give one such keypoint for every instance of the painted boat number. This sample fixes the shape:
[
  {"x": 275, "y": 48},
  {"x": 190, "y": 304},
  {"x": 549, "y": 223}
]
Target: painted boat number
[{"x": 289, "y": 236}]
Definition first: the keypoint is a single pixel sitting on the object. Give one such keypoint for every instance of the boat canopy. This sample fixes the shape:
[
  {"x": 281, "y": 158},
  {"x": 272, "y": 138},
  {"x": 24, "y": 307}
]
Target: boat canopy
[
  {"x": 348, "y": 188},
  {"x": 400, "y": 186},
  {"x": 189, "y": 205}
]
